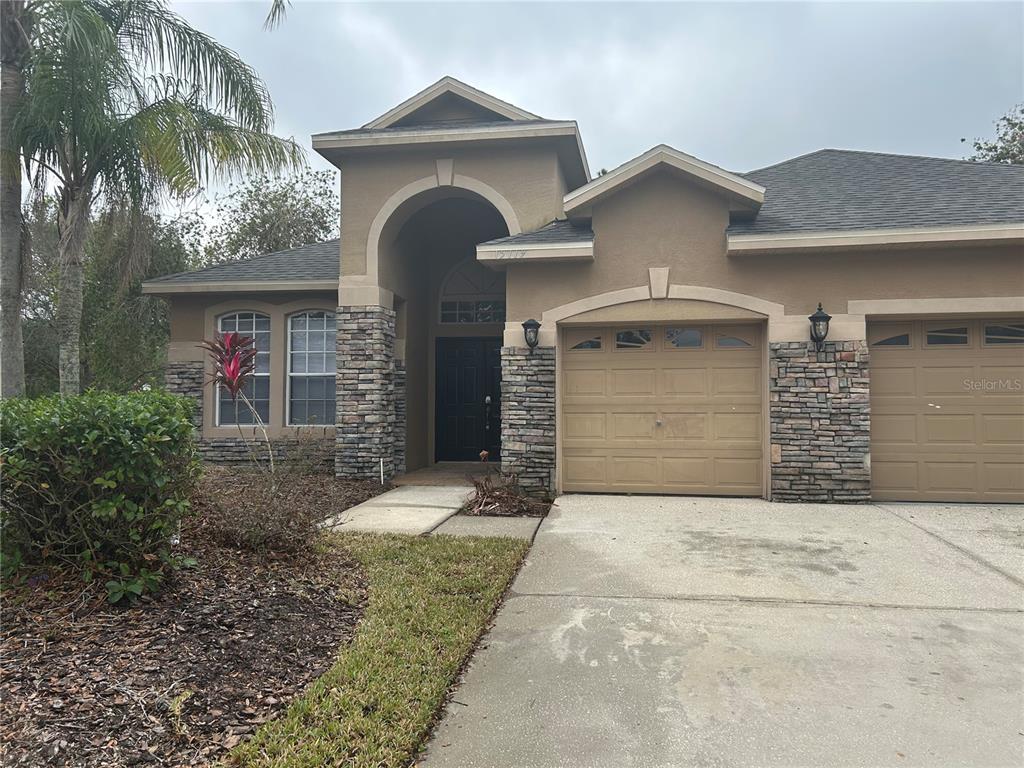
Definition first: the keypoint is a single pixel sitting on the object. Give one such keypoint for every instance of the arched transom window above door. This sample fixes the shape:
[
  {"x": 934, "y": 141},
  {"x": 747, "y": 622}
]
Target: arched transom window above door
[{"x": 473, "y": 293}]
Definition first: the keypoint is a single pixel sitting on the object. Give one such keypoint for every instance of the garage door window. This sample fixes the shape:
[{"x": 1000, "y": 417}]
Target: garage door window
[
  {"x": 583, "y": 340},
  {"x": 1011, "y": 333},
  {"x": 684, "y": 338},
  {"x": 730, "y": 341},
  {"x": 897, "y": 340},
  {"x": 632, "y": 339},
  {"x": 947, "y": 336}
]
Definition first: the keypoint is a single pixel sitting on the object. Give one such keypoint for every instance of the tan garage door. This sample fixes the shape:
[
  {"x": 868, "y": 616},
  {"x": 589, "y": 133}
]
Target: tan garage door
[
  {"x": 662, "y": 409},
  {"x": 947, "y": 410}
]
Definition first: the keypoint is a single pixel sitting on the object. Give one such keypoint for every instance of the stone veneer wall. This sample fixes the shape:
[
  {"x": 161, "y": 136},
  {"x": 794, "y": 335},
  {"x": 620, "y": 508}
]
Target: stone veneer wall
[
  {"x": 365, "y": 425},
  {"x": 187, "y": 379},
  {"x": 399, "y": 425},
  {"x": 820, "y": 422},
  {"x": 528, "y": 417}
]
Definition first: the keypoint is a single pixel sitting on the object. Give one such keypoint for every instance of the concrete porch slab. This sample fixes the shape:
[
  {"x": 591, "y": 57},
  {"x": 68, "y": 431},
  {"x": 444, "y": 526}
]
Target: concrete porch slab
[{"x": 490, "y": 525}]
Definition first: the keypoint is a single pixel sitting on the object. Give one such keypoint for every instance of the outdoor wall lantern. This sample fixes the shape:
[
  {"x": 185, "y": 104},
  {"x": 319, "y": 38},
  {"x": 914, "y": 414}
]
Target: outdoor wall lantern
[
  {"x": 531, "y": 331},
  {"x": 819, "y": 327}
]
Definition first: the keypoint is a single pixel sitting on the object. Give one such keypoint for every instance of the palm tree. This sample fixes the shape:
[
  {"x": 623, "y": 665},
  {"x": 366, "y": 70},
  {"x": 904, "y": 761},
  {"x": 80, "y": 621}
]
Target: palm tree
[
  {"x": 128, "y": 102},
  {"x": 14, "y": 31}
]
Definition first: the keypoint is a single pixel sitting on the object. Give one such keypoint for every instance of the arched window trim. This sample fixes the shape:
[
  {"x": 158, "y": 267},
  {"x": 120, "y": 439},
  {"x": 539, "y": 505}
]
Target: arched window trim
[{"x": 452, "y": 307}]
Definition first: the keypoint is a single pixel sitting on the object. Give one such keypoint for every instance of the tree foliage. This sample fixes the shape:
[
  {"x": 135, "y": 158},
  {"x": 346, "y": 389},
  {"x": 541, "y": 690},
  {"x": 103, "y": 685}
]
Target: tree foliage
[
  {"x": 265, "y": 213},
  {"x": 1008, "y": 145},
  {"x": 124, "y": 332},
  {"x": 127, "y": 102}
]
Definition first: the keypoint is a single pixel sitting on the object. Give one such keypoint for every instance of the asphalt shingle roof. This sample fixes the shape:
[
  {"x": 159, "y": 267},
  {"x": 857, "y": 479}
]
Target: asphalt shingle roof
[
  {"x": 320, "y": 261},
  {"x": 834, "y": 189},
  {"x": 559, "y": 231}
]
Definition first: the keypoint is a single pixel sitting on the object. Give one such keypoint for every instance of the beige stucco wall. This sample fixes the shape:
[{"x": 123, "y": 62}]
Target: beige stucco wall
[
  {"x": 662, "y": 221},
  {"x": 525, "y": 174}
]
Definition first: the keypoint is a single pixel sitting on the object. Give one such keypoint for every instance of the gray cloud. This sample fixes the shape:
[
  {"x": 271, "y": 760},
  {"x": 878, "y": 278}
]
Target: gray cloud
[{"x": 739, "y": 85}]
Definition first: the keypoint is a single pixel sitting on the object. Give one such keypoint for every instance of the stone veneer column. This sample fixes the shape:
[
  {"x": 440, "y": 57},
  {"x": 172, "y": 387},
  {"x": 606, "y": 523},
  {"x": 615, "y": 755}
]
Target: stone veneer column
[
  {"x": 400, "y": 417},
  {"x": 186, "y": 379},
  {"x": 820, "y": 422},
  {"x": 364, "y": 429},
  {"x": 528, "y": 417}
]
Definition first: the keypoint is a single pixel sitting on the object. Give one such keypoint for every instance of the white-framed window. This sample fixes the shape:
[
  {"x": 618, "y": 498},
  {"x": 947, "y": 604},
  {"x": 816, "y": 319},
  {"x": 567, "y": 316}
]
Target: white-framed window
[
  {"x": 254, "y": 325},
  {"x": 311, "y": 368}
]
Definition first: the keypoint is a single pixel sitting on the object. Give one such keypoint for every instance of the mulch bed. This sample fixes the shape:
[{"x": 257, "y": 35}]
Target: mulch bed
[
  {"x": 497, "y": 495},
  {"x": 175, "y": 680}
]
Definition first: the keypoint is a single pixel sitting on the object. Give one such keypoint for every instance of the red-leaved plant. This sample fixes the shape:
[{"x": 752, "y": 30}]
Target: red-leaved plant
[{"x": 234, "y": 360}]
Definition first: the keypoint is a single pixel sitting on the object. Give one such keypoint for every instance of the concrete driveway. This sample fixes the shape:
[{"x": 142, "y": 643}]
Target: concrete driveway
[{"x": 654, "y": 631}]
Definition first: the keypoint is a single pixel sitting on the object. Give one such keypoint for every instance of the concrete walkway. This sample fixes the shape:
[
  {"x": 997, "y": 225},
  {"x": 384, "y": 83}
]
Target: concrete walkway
[
  {"x": 428, "y": 510},
  {"x": 652, "y": 631}
]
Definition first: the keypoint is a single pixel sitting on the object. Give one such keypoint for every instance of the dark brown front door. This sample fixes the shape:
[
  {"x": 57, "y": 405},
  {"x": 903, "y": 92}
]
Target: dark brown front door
[{"x": 468, "y": 401}]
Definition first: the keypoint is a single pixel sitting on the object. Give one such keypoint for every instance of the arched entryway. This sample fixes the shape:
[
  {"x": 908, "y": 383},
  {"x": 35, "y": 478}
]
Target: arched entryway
[{"x": 449, "y": 322}]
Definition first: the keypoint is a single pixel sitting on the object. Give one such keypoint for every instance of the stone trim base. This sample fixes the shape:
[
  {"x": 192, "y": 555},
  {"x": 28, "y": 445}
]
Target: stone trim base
[
  {"x": 400, "y": 408},
  {"x": 528, "y": 417},
  {"x": 365, "y": 424},
  {"x": 820, "y": 422}
]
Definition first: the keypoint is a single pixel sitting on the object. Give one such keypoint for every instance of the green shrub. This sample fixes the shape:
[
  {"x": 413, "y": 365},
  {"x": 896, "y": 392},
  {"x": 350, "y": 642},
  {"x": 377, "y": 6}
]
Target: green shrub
[{"x": 99, "y": 481}]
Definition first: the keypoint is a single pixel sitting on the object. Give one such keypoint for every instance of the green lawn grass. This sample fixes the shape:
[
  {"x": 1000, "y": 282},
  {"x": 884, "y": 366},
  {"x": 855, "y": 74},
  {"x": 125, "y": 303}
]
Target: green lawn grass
[{"x": 429, "y": 601}]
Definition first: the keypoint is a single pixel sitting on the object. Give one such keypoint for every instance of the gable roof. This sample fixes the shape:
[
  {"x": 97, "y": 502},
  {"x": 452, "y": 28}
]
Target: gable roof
[
  {"x": 308, "y": 267},
  {"x": 839, "y": 190},
  {"x": 449, "y": 85},
  {"x": 747, "y": 193}
]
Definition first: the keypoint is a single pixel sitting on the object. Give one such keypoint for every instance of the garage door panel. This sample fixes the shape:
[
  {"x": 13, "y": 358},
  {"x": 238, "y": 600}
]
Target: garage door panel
[
  {"x": 736, "y": 381},
  {"x": 894, "y": 429},
  {"x": 944, "y": 380},
  {"x": 677, "y": 419},
  {"x": 685, "y": 426},
  {"x": 1004, "y": 477},
  {"x": 585, "y": 470},
  {"x": 894, "y": 382},
  {"x": 940, "y": 476},
  {"x": 738, "y": 474},
  {"x": 683, "y": 382},
  {"x": 633, "y": 382},
  {"x": 585, "y": 383},
  {"x": 947, "y": 423},
  {"x": 686, "y": 472},
  {"x": 888, "y": 476},
  {"x": 635, "y": 470},
  {"x": 1002, "y": 429},
  {"x": 632, "y": 426},
  {"x": 738, "y": 428},
  {"x": 950, "y": 429},
  {"x": 585, "y": 426}
]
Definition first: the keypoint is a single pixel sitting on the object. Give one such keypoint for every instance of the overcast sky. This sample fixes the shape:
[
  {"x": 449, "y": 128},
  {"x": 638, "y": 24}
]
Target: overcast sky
[{"x": 741, "y": 85}]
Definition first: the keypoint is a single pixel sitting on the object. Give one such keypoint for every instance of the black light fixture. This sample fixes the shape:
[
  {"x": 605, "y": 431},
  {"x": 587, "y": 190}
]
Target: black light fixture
[
  {"x": 531, "y": 331},
  {"x": 819, "y": 327}
]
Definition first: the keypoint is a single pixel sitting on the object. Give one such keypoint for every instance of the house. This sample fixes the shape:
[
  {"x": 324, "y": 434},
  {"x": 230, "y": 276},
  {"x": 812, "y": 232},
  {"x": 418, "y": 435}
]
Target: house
[{"x": 673, "y": 353}]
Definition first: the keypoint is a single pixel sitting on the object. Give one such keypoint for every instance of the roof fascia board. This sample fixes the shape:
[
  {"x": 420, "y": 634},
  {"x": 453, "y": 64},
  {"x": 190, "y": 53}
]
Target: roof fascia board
[
  {"x": 239, "y": 286},
  {"x": 457, "y": 87},
  {"x": 324, "y": 141},
  {"x": 486, "y": 247},
  {"x": 992, "y": 233},
  {"x": 554, "y": 252},
  {"x": 664, "y": 155}
]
